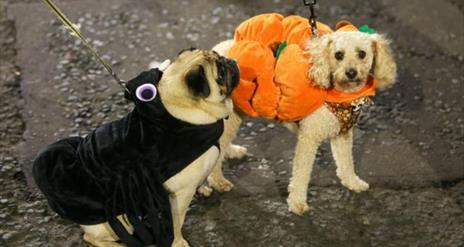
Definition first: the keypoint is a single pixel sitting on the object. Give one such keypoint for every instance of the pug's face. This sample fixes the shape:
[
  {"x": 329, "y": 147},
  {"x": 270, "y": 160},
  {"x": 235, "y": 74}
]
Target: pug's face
[{"x": 196, "y": 87}]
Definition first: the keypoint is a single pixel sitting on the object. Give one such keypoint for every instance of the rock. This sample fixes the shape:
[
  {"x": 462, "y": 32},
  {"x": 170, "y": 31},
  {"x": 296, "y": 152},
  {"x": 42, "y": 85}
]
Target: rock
[
  {"x": 169, "y": 35},
  {"x": 8, "y": 159},
  {"x": 386, "y": 151},
  {"x": 8, "y": 235}
]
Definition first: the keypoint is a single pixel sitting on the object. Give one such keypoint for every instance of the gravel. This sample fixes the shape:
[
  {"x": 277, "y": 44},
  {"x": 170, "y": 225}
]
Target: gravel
[{"x": 255, "y": 212}]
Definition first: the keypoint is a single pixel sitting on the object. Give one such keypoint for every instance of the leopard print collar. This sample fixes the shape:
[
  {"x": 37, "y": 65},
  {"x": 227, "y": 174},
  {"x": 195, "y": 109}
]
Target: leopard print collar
[{"x": 348, "y": 112}]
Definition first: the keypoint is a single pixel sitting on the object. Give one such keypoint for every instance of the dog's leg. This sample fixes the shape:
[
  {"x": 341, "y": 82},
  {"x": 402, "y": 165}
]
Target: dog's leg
[
  {"x": 305, "y": 153},
  {"x": 180, "y": 201},
  {"x": 235, "y": 151},
  {"x": 205, "y": 190},
  {"x": 312, "y": 130},
  {"x": 100, "y": 235},
  {"x": 182, "y": 188},
  {"x": 342, "y": 148},
  {"x": 217, "y": 180}
]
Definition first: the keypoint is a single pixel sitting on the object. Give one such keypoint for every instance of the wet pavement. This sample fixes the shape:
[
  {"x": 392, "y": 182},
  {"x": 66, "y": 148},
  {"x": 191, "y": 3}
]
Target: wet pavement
[{"x": 409, "y": 146}]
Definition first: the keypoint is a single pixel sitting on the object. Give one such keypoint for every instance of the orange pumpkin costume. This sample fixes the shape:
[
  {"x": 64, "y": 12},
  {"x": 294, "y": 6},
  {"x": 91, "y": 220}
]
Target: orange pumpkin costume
[{"x": 279, "y": 88}]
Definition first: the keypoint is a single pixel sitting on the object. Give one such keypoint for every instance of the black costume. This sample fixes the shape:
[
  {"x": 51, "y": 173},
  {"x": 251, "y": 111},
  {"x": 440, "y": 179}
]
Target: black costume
[{"x": 121, "y": 166}]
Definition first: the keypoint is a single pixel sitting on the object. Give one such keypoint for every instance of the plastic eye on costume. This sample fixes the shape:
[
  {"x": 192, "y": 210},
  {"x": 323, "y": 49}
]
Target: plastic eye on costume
[{"x": 146, "y": 92}]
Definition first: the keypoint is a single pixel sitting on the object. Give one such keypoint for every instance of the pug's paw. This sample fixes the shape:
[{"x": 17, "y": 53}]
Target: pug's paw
[
  {"x": 220, "y": 184},
  {"x": 205, "y": 190},
  {"x": 235, "y": 152},
  {"x": 180, "y": 243},
  {"x": 100, "y": 242}
]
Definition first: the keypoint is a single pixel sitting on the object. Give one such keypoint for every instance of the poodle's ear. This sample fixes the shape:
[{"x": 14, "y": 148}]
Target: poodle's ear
[
  {"x": 384, "y": 67},
  {"x": 319, "y": 51}
]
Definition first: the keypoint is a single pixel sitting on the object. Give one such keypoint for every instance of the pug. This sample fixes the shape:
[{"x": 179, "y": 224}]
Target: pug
[{"x": 130, "y": 182}]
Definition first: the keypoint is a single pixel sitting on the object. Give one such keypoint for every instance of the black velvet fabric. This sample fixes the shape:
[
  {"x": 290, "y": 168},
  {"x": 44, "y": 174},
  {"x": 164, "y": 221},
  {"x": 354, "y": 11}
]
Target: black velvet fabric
[{"x": 121, "y": 166}]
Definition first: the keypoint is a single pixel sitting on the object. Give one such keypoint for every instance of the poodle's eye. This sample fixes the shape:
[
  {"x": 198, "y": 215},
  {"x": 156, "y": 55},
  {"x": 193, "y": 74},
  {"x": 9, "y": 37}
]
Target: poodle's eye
[
  {"x": 339, "y": 55},
  {"x": 361, "y": 54}
]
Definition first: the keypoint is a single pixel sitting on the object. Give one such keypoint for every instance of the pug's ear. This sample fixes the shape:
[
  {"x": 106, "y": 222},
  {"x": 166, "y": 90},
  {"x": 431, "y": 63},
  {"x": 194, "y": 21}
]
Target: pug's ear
[
  {"x": 187, "y": 49},
  {"x": 197, "y": 82}
]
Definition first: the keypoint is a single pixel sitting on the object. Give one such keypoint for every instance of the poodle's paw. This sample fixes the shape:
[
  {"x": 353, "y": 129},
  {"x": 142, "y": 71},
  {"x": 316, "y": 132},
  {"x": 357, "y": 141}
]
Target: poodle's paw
[
  {"x": 298, "y": 207},
  {"x": 205, "y": 191},
  {"x": 235, "y": 152},
  {"x": 355, "y": 184},
  {"x": 220, "y": 184},
  {"x": 180, "y": 243}
]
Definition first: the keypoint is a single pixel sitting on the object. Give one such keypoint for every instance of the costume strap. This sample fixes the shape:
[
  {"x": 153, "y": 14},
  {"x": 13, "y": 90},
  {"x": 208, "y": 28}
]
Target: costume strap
[
  {"x": 123, "y": 234},
  {"x": 141, "y": 230}
]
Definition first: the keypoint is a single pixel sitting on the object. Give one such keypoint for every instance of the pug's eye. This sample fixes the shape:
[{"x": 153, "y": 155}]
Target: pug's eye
[
  {"x": 361, "y": 54},
  {"x": 221, "y": 74},
  {"x": 146, "y": 92},
  {"x": 339, "y": 55}
]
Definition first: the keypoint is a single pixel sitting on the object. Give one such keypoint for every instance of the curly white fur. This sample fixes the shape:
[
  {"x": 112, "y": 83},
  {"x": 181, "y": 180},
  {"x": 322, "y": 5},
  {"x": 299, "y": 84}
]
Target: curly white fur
[{"x": 327, "y": 70}]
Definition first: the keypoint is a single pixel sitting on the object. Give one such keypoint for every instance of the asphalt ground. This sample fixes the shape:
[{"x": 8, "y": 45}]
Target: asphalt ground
[{"x": 409, "y": 146}]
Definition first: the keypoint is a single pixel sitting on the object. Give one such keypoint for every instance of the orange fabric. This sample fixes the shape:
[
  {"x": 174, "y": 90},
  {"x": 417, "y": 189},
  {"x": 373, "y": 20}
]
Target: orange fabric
[
  {"x": 265, "y": 29},
  {"x": 335, "y": 96},
  {"x": 299, "y": 97},
  {"x": 280, "y": 88},
  {"x": 345, "y": 26},
  {"x": 296, "y": 30},
  {"x": 256, "y": 94}
]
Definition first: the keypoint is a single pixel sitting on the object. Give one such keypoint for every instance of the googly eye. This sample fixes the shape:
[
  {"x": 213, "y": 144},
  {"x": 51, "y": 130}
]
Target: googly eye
[{"x": 146, "y": 92}]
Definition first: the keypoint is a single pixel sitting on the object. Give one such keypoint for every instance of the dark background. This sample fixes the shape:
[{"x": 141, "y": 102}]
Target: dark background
[{"x": 409, "y": 146}]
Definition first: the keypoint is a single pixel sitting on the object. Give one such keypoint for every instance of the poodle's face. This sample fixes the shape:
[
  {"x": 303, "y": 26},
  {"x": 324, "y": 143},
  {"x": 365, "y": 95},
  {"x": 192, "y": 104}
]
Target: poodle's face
[
  {"x": 345, "y": 59},
  {"x": 350, "y": 60}
]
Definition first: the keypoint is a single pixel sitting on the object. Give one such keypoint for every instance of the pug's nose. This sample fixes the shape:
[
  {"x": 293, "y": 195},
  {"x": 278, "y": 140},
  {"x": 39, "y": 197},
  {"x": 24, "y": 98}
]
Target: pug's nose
[
  {"x": 231, "y": 62},
  {"x": 351, "y": 74}
]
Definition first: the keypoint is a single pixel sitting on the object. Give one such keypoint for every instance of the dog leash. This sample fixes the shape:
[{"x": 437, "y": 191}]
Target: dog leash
[
  {"x": 312, "y": 16},
  {"x": 312, "y": 22},
  {"x": 74, "y": 30}
]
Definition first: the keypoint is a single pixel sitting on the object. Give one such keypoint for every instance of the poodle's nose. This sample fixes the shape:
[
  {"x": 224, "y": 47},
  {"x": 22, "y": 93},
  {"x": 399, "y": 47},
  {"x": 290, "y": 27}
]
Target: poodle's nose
[{"x": 351, "y": 74}]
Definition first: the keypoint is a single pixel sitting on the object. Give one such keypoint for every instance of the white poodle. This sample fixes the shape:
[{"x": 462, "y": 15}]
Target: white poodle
[{"x": 344, "y": 60}]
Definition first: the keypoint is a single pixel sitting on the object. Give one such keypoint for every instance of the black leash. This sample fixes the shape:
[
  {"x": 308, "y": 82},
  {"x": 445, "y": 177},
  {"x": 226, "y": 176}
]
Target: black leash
[{"x": 312, "y": 16}]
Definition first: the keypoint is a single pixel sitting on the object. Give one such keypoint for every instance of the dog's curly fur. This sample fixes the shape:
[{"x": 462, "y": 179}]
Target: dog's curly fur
[
  {"x": 326, "y": 69},
  {"x": 366, "y": 55}
]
